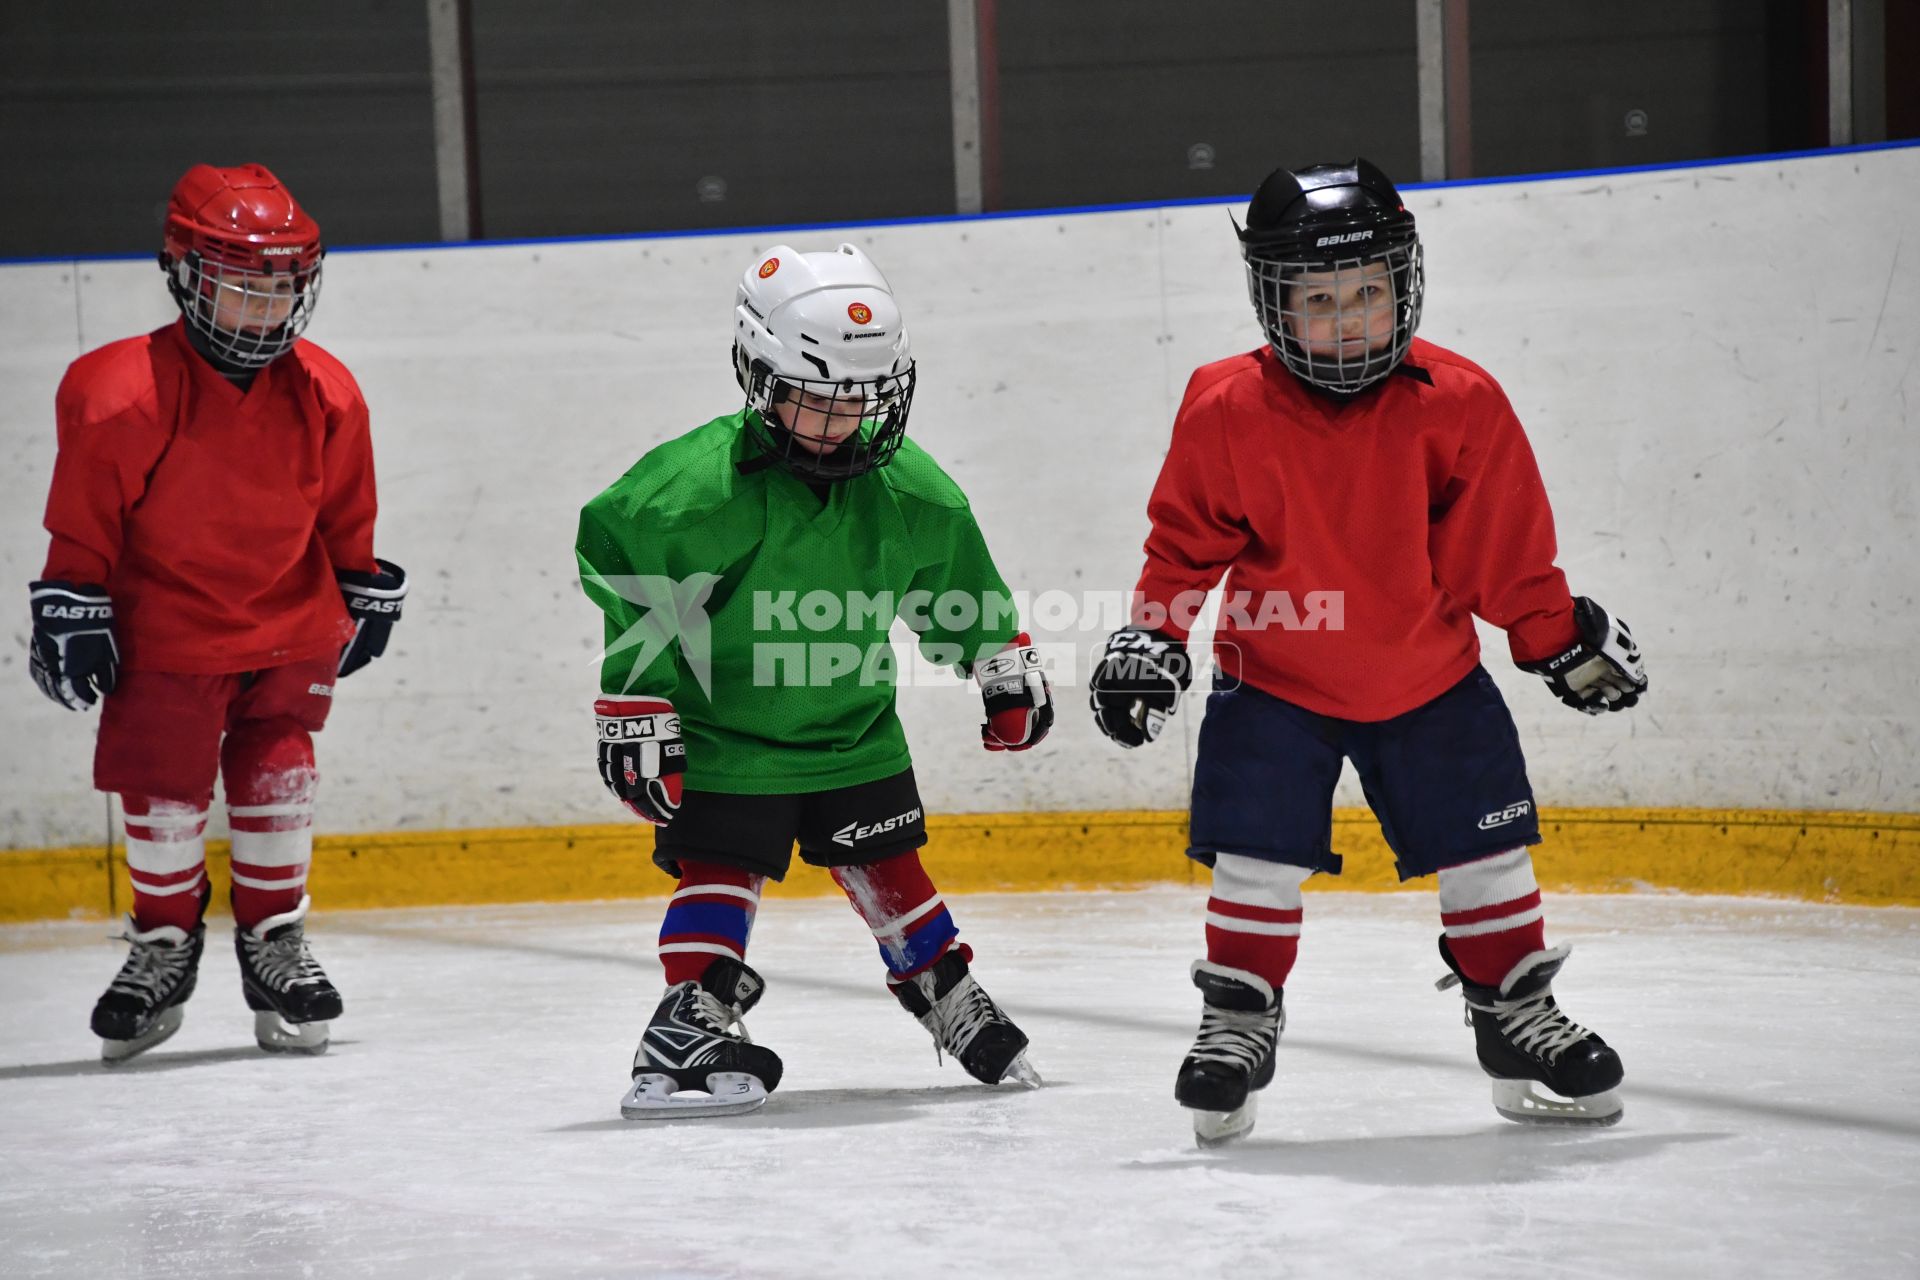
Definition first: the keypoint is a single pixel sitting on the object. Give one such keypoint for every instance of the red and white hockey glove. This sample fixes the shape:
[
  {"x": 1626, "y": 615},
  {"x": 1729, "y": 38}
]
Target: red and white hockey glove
[
  {"x": 373, "y": 602},
  {"x": 642, "y": 758},
  {"x": 1601, "y": 672},
  {"x": 1019, "y": 701},
  {"x": 74, "y": 658}
]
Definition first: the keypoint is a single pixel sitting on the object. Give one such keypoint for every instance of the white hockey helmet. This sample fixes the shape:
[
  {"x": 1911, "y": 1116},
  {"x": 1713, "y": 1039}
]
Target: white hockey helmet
[{"x": 823, "y": 325}]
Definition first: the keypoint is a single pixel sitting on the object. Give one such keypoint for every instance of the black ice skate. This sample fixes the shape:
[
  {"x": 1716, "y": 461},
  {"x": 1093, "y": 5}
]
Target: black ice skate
[
  {"x": 291, "y": 999},
  {"x": 690, "y": 1062},
  {"x": 965, "y": 1022},
  {"x": 1523, "y": 1039},
  {"x": 1232, "y": 1058},
  {"x": 143, "y": 1004}
]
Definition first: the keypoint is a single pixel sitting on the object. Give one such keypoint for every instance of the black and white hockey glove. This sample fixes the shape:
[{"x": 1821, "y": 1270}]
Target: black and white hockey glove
[
  {"x": 1602, "y": 671},
  {"x": 373, "y": 602},
  {"x": 642, "y": 757},
  {"x": 1019, "y": 702},
  {"x": 1138, "y": 684},
  {"x": 74, "y": 658}
]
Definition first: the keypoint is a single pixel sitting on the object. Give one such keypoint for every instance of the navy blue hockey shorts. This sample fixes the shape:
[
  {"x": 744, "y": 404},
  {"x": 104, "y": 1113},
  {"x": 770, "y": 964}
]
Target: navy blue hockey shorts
[{"x": 1447, "y": 779}]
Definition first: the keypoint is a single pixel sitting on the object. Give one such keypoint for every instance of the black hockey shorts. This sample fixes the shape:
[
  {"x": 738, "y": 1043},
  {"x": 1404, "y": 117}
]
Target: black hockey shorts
[
  {"x": 1446, "y": 779},
  {"x": 844, "y": 827}
]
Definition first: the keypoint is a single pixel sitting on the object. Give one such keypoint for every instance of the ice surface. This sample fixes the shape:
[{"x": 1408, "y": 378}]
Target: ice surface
[{"x": 466, "y": 1121}]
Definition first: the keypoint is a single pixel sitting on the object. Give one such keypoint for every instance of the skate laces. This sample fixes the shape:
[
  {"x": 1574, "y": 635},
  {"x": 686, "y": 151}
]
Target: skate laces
[
  {"x": 285, "y": 962},
  {"x": 721, "y": 1018},
  {"x": 1535, "y": 1025},
  {"x": 1236, "y": 1037},
  {"x": 149, "y": 968},
  {"x": 960, "y": 1015}
]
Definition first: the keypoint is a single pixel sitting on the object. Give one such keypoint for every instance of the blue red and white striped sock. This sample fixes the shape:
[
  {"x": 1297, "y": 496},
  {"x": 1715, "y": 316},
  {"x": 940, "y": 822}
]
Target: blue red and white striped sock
[
  {"x": 1254, "y": 914},
  {"x": 908, "y": 917},
  {"x": 1490, "y": 909},
  {"x": 709, "y": 915}
]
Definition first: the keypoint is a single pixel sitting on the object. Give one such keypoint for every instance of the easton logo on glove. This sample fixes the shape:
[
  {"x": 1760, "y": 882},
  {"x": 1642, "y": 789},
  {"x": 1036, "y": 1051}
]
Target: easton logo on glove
[
  {"x": 73, "y": 656},
  {"x": 373, "y": 602}
]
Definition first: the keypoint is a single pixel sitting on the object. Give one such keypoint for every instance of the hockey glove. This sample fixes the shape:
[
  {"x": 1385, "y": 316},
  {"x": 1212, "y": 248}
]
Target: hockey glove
[
  {"x": 74, "y": 659},
  {"x": 1019, "y": 703},
  {"x": 373, "y": 602},
  {"x": 642, "y": 758},
  {"x": 1602, "y": 671},
  {"x": 1138, "y": 684}
]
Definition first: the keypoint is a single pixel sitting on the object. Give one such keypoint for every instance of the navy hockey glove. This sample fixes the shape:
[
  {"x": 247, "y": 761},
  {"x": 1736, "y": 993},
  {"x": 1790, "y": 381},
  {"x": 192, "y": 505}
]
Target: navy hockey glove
[
  {"x": 373, "y": 602},
  {"x": 642, "y": 758},
  {"x": 1019, "y": 703},
  {"x": 1602, "y": 671},
  {"x": 74, "y": 658},
  {"x": 1138, "y": 684}
]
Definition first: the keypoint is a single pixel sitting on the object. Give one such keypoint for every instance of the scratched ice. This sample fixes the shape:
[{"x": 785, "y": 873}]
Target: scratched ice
[{"x": 466, "y": 1121}]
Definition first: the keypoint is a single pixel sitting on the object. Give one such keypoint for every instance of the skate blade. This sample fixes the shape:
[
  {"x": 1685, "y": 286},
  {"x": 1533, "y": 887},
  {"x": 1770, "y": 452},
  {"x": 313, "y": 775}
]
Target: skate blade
[
  {"x": 1523, "y": 1103},
  {"x": 729, "y": 1093},
  {"x": 277, "y": 1036},
  {"x": 115, "y": 1052},
  {"x": 1021, "y": 1072},
  {"x": 1218, "y": 1128}
]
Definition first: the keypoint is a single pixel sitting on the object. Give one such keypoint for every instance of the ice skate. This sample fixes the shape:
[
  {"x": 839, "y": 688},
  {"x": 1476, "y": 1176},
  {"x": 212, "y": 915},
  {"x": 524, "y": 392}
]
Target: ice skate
[
  {"x": 142, "y": 1006},
  {"x": 1524, "y": 1040},
  {"x": 289, "y": 993},
  {"x": 690, "y": 1061},
  {"x": 1232, "y": 1058},
  {"x": 965, "y": 1022}
]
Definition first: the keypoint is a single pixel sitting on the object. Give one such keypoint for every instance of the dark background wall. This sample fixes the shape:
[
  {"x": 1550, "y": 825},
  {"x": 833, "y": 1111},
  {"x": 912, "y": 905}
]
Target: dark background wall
[
  {"x": 104, "y": 105},
  {"x": 647, "y": 116}
]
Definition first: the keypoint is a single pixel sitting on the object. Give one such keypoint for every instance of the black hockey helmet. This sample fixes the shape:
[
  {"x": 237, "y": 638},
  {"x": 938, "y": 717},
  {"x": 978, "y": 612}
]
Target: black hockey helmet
[{"x": 1330, "y": 224}]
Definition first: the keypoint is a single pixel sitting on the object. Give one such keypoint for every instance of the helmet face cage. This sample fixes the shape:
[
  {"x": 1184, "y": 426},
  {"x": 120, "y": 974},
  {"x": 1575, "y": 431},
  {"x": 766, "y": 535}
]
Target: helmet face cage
[
  {"x": 821, "y": 407},
  {"x": 1340, "y": 324},
  {"x": 201, "y": 285}
]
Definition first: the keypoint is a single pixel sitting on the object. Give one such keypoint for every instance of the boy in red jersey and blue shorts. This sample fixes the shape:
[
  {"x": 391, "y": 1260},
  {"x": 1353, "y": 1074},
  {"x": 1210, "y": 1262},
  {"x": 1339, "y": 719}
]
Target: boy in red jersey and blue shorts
[
  {"x": 1366, "y": 494},
  {"x": 211, "y": 575}
]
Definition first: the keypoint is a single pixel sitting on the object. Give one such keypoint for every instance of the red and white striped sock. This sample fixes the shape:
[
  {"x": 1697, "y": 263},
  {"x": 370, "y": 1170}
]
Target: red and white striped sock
[
  {"x": 1491, "y": 912},
  {"x": 1253, "y": 917},
  {"x": 166, "y": 860},
  {"x": 270, "y": 784},
  {"x": 710, "y": 914}
]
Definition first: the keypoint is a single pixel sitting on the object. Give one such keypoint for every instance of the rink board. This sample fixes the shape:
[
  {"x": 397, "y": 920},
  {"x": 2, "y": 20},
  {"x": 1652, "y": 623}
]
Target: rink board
[{"x": 1855, "y": 858}]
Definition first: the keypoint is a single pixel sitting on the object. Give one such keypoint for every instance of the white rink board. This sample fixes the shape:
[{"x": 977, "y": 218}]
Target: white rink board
[
  {"x": 1717, "y": 367},
  {"x": 1771, "y": 1127}
]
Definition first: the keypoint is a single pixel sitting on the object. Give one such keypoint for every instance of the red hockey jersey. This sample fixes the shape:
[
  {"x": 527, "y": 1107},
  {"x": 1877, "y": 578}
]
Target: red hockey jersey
[
  {"x": 1357, "y": 538},
  {"x": 215, "y": 517}
]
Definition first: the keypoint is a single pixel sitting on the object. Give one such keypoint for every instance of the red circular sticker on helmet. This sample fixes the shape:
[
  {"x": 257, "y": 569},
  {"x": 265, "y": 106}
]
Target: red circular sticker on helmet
[
  {"x": 768, "y": 267},
  {"x": 859, "y": 312}
]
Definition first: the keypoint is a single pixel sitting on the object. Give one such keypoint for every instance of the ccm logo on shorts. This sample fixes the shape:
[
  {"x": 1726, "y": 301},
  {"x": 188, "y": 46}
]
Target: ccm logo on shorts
[
  {"x": 1506, "y": 815},
  {"x": 856, "y": 831}
]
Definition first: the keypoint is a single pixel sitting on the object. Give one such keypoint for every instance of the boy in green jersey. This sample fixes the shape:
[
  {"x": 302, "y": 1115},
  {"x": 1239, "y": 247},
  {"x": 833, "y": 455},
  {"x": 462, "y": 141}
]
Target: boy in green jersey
[{"x": 750, "y": 571}]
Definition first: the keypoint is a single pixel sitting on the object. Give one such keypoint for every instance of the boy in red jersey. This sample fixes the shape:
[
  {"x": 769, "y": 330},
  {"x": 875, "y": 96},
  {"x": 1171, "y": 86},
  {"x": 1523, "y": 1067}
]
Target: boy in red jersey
[
  {"x": 211, "y": 575},
  {"x": 1384, "y": 483}
]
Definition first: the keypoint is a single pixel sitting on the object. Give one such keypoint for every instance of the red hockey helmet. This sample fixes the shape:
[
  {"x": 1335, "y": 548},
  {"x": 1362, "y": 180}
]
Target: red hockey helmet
[{"x": 242, "y": 260}]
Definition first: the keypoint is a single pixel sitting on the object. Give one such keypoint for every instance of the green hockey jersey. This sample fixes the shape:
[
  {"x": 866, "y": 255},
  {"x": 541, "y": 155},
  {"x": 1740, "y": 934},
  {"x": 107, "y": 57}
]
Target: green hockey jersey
[{"x": 761, "y": 609}]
